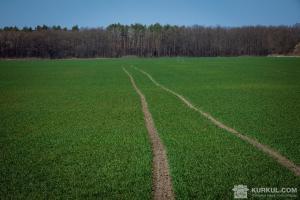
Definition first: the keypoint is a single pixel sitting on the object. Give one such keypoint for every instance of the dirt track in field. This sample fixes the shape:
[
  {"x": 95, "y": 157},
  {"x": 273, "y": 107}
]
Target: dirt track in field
[
  {"x": 268, "y": 150},
  {"x": 162, "y": 184}
]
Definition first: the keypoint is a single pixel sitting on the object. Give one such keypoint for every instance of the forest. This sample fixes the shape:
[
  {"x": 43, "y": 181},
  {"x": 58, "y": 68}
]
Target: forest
[{"x": 117, "y": 40}]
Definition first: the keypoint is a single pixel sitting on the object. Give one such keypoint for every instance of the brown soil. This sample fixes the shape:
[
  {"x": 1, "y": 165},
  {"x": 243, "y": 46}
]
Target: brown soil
[
  {"x": 162, "y": 184},
  {"x": 269, "y": 151}
]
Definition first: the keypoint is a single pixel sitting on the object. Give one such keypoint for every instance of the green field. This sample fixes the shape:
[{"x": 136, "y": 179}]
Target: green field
[{"x": 75, "y": 129}]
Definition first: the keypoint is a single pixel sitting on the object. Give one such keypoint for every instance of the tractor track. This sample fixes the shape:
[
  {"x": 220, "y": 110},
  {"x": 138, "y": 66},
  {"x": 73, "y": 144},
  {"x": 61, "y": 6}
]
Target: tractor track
[{"x": 162, "y": 185}]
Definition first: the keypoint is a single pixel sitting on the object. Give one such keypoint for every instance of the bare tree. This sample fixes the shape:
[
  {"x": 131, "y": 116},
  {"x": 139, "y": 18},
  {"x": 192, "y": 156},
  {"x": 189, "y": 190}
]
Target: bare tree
[{"x": 154, "y": 40}]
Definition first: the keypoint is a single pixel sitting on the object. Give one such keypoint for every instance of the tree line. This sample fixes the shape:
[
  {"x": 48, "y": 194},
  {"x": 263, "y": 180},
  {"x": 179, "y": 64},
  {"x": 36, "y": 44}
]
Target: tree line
[{"x": 117, "y": 40}]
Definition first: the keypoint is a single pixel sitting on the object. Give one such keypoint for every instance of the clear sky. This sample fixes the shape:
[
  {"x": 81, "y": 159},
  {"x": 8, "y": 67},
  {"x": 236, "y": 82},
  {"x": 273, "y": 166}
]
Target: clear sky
[{"x": 95, "y": 13}]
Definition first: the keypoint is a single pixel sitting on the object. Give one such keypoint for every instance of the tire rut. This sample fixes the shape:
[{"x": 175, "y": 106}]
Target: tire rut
[{"x": 162, "y": 185}]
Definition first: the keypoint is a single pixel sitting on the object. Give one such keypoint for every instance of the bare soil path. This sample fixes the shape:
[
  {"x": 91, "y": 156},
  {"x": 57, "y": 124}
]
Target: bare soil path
[
  {"x": 282, "y": 160},
  {"x": 162, "y": 184}
]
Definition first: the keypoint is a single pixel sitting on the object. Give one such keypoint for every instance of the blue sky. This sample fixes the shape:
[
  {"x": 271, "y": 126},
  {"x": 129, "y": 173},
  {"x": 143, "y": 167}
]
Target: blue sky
[{"x": 95, "y": 13}]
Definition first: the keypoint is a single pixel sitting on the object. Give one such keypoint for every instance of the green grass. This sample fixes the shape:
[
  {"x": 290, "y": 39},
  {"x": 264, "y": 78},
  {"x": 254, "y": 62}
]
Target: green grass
[
  {"x": 74, "y": 128},
  {"x": 205, "y": 161},
  {"x": 71, "y": 129},
  {"x": 257, "y": 96}
]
